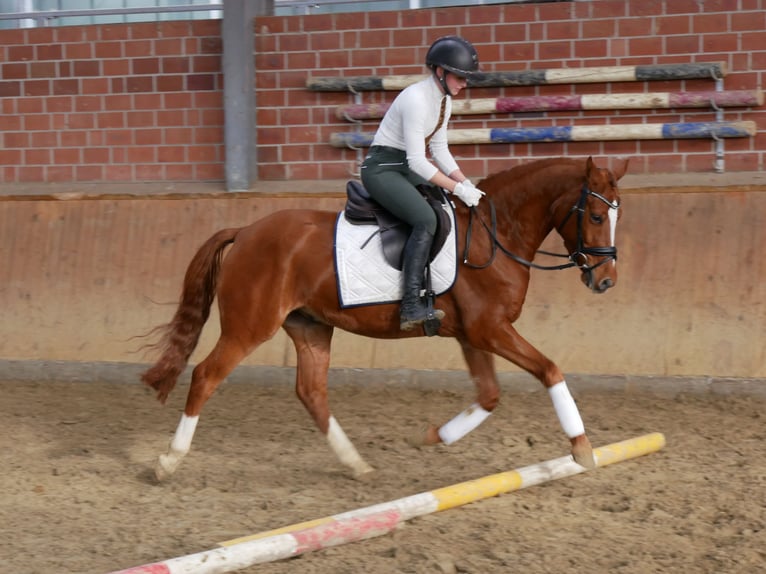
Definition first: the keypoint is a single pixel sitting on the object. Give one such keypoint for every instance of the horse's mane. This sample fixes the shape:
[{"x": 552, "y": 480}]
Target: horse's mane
[
  {"x": 521, "y": 174},
  {"x": 511, "y": 188}
]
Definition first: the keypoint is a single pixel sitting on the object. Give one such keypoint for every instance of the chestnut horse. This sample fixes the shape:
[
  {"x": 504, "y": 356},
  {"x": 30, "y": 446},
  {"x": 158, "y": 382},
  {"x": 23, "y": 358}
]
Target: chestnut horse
[{"x": 279, "y": 273}]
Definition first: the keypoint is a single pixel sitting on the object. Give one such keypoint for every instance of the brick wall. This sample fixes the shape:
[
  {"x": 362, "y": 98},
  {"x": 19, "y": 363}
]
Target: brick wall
[
  {"x": 296, "y": 124},
  {"x": 143, "y": 102},
  {"x": 133, "y": 102}
]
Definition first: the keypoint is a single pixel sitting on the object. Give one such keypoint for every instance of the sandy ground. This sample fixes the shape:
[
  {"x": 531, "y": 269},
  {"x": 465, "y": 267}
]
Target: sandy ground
[{"x": 77, "y": 493}]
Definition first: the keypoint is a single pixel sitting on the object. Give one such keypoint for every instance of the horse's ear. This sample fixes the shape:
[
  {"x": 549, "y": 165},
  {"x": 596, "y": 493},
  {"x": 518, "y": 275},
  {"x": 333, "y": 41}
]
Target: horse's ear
[
  {"x": 589, "y": 166},
  {"x": 620, "y": 170}
]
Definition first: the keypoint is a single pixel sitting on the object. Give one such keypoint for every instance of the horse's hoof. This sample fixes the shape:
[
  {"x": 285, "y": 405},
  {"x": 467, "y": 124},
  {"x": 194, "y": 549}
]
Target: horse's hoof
[
  {"x": 582, "y": 452},
  {"x": 427, "y": 436},
  {"x": 165, "y": 467},
  {"x": 364, "y": 473}
]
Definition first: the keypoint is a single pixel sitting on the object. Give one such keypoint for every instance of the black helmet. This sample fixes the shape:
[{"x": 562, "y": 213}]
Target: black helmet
[{"x": 454, "y": 54}]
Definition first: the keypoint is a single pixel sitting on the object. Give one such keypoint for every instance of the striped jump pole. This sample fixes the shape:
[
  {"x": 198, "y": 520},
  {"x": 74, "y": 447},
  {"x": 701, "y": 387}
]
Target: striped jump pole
[
  {"x": 607, "y": 132},
  {"x": 382, "y": 518},
  {"x": 509, "y": 105},
  {"x": 714, "y": 70}
]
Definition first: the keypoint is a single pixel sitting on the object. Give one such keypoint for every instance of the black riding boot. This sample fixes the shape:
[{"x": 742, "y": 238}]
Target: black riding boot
[{"x": 413, "y": 311}]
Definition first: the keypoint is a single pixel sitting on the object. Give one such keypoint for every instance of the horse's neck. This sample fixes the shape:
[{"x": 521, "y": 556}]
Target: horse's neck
[{"x": 530, "y": 212}]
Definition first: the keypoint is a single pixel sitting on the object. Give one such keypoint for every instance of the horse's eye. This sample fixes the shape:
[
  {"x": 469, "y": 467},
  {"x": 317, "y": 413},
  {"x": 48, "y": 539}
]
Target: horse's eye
[{"x": 596, "y": 218}]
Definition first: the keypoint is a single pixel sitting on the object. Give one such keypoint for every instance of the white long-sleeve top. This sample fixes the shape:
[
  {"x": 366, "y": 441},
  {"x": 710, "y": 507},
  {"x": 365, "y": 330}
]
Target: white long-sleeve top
[{"x": 410, "y": 119}]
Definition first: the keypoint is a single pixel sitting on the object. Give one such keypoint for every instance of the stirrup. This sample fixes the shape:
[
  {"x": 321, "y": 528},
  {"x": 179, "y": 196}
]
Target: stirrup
[{"x": 430, "y": 318}]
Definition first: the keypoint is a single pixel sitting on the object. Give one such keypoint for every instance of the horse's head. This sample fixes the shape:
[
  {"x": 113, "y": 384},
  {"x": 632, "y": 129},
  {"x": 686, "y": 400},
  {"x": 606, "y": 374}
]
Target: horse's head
[{"x": 588, "y": 227}]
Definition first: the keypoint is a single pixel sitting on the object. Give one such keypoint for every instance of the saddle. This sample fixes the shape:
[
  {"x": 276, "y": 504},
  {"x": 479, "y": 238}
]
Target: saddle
[{"x": 361, "y": 209}]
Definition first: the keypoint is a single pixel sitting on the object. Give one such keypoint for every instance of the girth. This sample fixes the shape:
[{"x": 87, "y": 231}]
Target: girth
[{"x": 361, "y": 209}]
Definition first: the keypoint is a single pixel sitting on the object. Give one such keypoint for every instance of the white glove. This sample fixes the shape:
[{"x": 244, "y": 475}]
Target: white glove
[{"x": 468, "y": 193}]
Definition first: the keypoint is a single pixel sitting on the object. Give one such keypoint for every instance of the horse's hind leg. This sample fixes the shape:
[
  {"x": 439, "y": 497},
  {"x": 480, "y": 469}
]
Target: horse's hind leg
[
  {"x": 312, "y": 343},
  {"x": 205, "y": 380},
  {"x": 481, "y": 365}
]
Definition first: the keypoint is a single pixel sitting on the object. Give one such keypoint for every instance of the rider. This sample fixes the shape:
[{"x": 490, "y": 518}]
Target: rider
[{"x": 396, "y": 162}]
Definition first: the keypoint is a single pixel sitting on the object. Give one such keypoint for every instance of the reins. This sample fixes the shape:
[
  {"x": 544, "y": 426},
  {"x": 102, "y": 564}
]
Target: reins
[{"x": 609, "y": 253}]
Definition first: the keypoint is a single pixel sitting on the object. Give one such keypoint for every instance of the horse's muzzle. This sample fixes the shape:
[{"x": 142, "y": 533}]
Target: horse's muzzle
[{"x": 597, "y": 286}]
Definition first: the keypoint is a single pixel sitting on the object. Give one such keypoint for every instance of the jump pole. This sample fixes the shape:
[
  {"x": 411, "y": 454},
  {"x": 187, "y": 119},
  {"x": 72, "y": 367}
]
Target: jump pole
[
  {"x": 379, "y": 519},
  {"x": 607, "y": 132}
]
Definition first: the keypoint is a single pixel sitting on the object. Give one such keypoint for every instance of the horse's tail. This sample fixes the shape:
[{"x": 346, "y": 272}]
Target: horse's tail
[{"x": 180, "y": 337}]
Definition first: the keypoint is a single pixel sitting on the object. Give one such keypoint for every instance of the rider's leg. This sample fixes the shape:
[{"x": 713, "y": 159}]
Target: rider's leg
[{"x": 392, "y": 185}]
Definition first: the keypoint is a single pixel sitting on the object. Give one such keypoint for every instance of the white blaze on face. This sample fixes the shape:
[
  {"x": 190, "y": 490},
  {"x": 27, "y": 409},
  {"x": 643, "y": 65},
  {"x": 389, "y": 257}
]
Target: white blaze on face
[{"x": 613, "y": 227}]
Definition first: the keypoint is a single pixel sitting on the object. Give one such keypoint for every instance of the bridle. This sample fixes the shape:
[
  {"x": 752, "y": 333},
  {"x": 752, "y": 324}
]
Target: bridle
[{"x": 577, "y": 258}]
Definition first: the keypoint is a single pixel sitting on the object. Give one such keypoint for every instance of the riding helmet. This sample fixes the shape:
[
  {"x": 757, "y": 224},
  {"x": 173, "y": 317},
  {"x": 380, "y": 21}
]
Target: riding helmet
[{"x": 454, "y": 54}]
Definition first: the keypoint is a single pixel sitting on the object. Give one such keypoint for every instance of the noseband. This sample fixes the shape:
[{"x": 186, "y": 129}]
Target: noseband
[{"x": 578, "y": 258}]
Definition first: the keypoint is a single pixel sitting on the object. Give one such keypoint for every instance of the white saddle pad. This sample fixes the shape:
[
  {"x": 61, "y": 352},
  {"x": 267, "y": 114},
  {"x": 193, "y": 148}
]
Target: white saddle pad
[{"x": 365, "y": 277}]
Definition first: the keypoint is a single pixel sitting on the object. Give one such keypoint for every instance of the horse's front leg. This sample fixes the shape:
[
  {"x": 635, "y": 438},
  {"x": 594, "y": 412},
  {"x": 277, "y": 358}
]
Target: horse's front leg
[
  {"x": 520, "y": 352},
  {"x": 481, "y": 366},
  {"x": 312, "y": 343}
]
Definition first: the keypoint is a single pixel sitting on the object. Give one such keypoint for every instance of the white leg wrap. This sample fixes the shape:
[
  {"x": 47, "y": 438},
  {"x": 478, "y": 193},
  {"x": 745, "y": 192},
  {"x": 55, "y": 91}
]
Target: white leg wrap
[
  {"x": 566, "y": 409},
  {"x": 462, "y": 424},
  {"x": 184, "y": 433},
  {"x": 344, "y": 450}
]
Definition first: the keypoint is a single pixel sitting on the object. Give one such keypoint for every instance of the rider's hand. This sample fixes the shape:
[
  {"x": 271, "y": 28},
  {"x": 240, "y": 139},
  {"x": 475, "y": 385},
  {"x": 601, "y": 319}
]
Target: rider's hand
[{"x": 468, "y": 193}]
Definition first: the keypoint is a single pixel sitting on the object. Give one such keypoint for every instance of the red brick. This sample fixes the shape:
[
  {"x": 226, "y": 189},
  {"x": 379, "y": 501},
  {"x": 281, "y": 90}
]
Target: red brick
[
  {"x": 42, "y": 139},
  {"x": 103, "y": 50},
  {"x": 95, "y": 85},
  {"x": 59, "y": 173},
  {"x": 20, "y": 53},
  {"x": 210, "y": 46},
  {"x": 168, "y": 47},
  {"x": 173, "y": 83},
  {"x": 174, "y": 65},
  {"x": 29, "y": 105},
  {"x": 589, "y": 48},
  {"x": 118, "y": 137},
  {"x": 741, "y": 21},
  {"x": 29, "y": 173},
  {"x": 208, "y": 172},
  {"x": 10, "y": 122},
  {"x": 206, "y": 27},
  {"x": 139, "y": 84},
  {"x": 195, "y": 82},
  {"x": 174, "y": 28},
  {"x": 112, "y": 32},
  {"x": 609, "y": 8},
  {"x": 118, "y": 173},
  {"x": 752, "y": 41},
  {"x": 107, "y": 120},
  {"x": 145, "y": 66},
  {"x": 67, "y": 156},
  {"x": 180, "y": 100},
  {"x": 143, "y": 154},
  {"x": 179, "y": 172},
  {"x": 10, "y": 89},
  {"x": 117, "y": 102},
  {"x": 177, "y": 136},
  {"x": 150, "y": 172},
  {"x": 37, "y": 156},
  {"x": 15, "y": 71},
  {"x": 37, "y": 87},
  {"x": 74, "y": 138},
  {"x": 95, "y": 155},
  {"x": 66, "y": 87},
  {"x": 116, "y": 67},
  {"x": 87, "y": 68},
  {"x": 202, "y": 64},
  {"x": 88, "y": 173},
  {"x": 672, "y": 25},
  {"x": 208, "y": 135},
  {"x": 554, "y": 50},
  {"x": 10, "y": 156},
  {"x": 68, "y": 34},
  {"x": 138, "y": 48},
  {"x": 49, "y": 52},
  {"x": 722, "y": 42}
]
